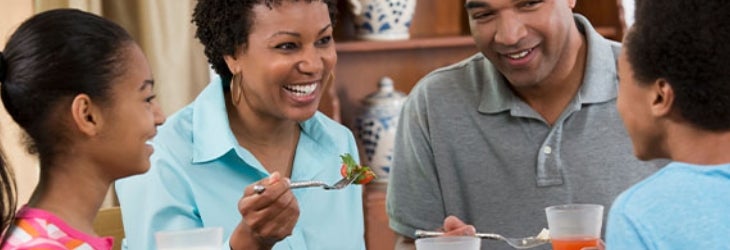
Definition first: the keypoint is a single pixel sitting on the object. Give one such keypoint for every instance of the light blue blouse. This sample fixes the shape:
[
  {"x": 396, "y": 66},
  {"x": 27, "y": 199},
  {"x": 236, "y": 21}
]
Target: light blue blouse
[{"x": 199, "y": 173}]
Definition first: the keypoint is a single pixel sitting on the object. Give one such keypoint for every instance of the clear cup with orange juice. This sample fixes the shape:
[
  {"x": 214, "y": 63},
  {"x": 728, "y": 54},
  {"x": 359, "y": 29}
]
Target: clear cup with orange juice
[{"x": 574, "y": 226}]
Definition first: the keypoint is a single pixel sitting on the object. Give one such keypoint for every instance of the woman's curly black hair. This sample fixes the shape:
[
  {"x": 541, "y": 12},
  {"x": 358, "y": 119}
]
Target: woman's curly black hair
[
  {"x": 223, "y": 25},
  {"x": 686, "y": 42}
]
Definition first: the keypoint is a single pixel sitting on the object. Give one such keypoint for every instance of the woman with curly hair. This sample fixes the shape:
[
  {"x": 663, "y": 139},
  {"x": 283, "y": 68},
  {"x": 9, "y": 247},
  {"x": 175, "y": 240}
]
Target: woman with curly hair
[
  {"x": 82, "y": 91},
  {"x": 257, "y": 124}
]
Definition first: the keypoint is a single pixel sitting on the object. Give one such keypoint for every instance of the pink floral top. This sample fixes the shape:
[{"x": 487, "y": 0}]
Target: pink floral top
[{"x": 39, "y": 229}]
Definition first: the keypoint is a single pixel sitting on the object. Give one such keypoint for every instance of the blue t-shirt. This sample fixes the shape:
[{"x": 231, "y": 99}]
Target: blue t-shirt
[
  {"x": 199, "y": 173},
  {"x": 682, "y": 206}
]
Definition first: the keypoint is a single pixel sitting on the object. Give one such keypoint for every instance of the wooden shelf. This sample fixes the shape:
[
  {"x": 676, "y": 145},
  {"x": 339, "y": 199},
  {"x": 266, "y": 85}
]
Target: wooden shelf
[{"x": 412, "y": 44}]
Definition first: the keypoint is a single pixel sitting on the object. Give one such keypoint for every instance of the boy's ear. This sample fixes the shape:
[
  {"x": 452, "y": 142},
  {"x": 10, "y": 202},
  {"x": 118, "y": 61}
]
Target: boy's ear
[
  {"x": 663, "y": 98},
  {"x": 86, "y": 115}
]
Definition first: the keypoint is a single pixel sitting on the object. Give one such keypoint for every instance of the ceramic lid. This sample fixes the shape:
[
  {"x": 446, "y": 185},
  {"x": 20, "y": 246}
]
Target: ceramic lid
[{"x": 386, "y": 94}]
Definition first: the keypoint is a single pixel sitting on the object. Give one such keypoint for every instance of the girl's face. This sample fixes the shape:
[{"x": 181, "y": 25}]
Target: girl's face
[
  {"x": 288, "y": 58},
  {"x": 131, "y": 119}
]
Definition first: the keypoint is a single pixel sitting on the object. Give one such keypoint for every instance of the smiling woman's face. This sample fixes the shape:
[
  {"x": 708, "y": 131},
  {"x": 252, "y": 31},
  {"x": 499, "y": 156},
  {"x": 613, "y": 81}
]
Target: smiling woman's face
[{"x": 289, "y": 55}]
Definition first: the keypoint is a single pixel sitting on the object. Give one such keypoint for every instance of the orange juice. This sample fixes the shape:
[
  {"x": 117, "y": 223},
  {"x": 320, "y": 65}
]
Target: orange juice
[{"x": 574, "y": 243}]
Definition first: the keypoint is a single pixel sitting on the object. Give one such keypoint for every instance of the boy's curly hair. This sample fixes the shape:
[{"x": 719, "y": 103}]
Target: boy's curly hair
[
  {"x": 223, "y": 25},
  {"x": 686, "y": 42}
]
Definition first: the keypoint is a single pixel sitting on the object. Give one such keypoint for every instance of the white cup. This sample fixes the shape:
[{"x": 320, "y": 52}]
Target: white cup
[
  {"x": 207, "y": 238},
  {"x": 574, "y": 226},
  {"x": 449, "y": 243}
]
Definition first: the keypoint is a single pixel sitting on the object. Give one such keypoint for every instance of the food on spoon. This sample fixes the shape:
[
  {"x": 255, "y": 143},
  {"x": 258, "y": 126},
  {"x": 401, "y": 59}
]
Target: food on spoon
[
  {"x": 350, "y": 168},
  {"x": 543, "y": 235}
]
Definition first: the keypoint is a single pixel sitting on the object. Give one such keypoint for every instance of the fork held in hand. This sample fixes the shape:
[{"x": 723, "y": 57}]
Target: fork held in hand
[
  {"x": 342, "y": 183},
  {"x": 519, "y": 243}
]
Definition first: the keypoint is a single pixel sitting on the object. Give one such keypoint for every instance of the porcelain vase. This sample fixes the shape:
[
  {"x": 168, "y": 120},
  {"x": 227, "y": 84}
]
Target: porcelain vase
[
  {"x": 383, "y": 19},
  {"x": 376, "y": 127}
]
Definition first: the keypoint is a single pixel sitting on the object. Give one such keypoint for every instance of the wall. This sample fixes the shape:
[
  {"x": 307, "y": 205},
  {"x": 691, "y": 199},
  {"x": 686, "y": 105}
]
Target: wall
[{"x": 13, "y": 12}]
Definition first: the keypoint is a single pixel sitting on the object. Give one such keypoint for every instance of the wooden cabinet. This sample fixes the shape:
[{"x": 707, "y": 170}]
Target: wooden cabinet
[
  {"x": 605, "y": 15},
  {"x": 439, "y": 37}
]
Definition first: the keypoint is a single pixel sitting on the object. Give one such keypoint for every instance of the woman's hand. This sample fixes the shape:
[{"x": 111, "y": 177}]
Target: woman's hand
[
  {"x": 453, "y": 226},
  {"x": 268, "y": 217}
]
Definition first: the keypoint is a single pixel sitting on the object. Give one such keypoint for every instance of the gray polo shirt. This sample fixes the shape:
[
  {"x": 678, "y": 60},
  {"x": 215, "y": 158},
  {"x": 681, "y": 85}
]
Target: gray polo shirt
[{"x": 467, "y": 146}]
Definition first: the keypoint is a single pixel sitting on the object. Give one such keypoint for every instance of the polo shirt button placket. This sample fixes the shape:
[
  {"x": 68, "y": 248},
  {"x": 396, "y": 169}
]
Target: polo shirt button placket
[{"x": 547, "y": 150}]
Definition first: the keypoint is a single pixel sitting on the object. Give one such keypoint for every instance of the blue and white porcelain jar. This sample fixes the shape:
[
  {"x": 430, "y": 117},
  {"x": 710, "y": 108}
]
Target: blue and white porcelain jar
[
  {"x": 377, "y": 125},
  {"x": 383, "y": 19}
]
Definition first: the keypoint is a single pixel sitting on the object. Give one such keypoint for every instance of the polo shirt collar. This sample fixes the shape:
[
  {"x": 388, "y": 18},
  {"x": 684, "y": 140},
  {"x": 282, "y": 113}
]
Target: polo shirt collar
[{"x": 599, "y": 79}]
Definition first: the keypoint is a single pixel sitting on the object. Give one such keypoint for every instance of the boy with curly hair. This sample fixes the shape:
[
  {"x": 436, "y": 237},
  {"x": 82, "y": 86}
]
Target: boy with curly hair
[{"x": 674, "y": 98}]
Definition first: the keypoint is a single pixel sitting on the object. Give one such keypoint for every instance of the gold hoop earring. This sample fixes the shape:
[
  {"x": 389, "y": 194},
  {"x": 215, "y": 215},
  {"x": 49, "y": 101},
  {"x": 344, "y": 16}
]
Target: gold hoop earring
[
  {"x": 236, "y": 97},
  {"x": 330, "y": 80}
]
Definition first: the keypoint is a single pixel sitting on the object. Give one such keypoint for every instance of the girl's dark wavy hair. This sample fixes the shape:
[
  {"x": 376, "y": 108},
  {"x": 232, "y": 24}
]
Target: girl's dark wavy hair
[
  {"x": 8, "y": 195},
  {"x": 224, "y": 25}
]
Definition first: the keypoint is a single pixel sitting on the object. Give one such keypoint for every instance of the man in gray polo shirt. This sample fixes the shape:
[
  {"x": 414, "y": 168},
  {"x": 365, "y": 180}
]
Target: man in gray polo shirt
[{"x": 527, "y": 123}]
